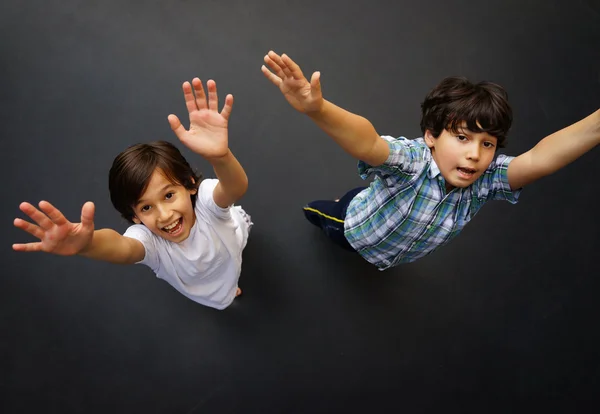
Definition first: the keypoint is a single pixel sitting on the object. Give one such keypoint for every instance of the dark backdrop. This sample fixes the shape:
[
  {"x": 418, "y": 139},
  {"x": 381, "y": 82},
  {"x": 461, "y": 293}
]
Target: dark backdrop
[{"x": 504, "y": 319}]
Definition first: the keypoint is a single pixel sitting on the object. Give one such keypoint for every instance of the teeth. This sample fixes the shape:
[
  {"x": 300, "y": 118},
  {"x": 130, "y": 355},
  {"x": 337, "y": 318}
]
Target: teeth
[{"x": 170, "y": 226}]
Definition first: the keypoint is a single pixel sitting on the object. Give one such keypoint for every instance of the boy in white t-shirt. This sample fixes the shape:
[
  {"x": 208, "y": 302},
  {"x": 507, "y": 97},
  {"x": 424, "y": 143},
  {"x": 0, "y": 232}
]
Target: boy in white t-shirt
[{"x": 184, "y": 228}]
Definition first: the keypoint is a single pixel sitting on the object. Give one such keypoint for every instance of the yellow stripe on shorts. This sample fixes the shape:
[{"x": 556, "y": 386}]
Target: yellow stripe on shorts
[{"x": 323, "y": 215}]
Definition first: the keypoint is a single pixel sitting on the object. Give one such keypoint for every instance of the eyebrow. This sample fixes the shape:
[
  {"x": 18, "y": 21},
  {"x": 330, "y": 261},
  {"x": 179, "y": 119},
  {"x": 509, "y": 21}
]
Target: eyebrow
[
  {"x": 162, "y": 190},
  {"x": 466, "y": 131},
  {"x": 463, "y": 131}
]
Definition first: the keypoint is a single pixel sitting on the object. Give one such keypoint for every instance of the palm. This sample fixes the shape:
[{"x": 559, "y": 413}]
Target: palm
[
  {"x": 66, "y": 240},
  {"x": 297, "y": 93},
  {"x": 304, "y": 96},
  {"x": 208, "y": 133},
  {"x": 56, "y": 234}
]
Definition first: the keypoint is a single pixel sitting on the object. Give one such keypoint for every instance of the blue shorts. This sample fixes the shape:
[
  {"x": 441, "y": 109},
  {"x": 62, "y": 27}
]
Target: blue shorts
[{"x": 329, "y": 216}]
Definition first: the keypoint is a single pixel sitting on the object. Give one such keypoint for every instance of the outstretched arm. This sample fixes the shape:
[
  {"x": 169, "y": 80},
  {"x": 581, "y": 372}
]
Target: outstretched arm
[
  {"x": 555, "y": 151},
  {"x": 355, "y": 134},
  {"x": 208, "y": 137},
  {"x": 59, "y": 236}
]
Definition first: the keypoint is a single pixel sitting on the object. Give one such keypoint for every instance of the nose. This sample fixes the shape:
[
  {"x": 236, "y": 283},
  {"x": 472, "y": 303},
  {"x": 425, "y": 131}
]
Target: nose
[
  {"x": 473, "y": 152},
  {"x": 163, "y": 214}
]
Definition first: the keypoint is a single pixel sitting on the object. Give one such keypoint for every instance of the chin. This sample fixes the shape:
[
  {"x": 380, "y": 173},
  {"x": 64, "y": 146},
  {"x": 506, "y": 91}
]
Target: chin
[
  {"x": 464, "y": 183},
  {"x": 182, "y": 238},
  {"x": 460, "y": 183}
]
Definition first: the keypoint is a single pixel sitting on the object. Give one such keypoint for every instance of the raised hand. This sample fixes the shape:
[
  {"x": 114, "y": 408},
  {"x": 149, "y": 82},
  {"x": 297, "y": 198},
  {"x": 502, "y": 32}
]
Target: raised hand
[
  {"x": 284, "y": 73},
  {"x": 208, "y": 135},
  {"x": 57, "y": 235}
]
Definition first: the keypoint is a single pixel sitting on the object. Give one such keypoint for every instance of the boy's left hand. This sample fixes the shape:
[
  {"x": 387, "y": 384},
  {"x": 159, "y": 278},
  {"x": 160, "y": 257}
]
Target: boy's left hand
[{"x": 208, "y": 134}]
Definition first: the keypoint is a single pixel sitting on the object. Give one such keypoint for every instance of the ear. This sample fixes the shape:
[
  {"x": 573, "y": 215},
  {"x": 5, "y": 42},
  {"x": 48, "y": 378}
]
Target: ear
[
  {"x": 195, "y": 190},
  {"x": 429, "y": 138},
  {"x": 136, "y": 220}
]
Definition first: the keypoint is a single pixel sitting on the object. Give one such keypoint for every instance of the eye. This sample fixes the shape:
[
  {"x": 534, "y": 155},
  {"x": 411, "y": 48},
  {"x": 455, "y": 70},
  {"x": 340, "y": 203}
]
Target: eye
[
  {"x": 488, "y": 144},
  {"x": 169, "y": 195},
  {"x": 461, "y": 137},
  {"x": 145, "y": 208}
]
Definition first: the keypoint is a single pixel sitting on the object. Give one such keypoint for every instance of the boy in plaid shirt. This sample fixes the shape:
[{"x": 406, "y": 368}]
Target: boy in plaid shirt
[{"x": 427, "y": 189}]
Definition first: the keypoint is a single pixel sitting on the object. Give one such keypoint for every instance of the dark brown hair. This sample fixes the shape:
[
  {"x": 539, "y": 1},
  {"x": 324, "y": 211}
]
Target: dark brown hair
[
  {"x": 456, "y": 100},
  {"x": 132, "y": 169}
]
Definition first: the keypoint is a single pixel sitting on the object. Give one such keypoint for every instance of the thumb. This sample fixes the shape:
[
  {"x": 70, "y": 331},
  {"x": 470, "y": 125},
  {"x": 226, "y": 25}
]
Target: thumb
[
  {"x": 176, "y": 126},
  {"x": 87, "y": 215},
  {"x": 315, "y": 82}
]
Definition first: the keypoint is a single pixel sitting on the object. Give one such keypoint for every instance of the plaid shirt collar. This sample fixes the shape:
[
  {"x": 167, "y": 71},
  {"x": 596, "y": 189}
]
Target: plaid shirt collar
[{"x": 434, "y": 170}]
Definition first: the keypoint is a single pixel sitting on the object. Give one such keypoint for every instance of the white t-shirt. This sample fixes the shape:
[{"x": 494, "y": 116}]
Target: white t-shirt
[{"x": 206, "y": 266}]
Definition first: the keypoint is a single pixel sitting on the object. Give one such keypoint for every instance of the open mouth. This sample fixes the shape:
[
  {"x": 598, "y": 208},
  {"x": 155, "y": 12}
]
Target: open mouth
[
  {"x": 174, "y": 228},
  {"x": 466, "y": 172}
]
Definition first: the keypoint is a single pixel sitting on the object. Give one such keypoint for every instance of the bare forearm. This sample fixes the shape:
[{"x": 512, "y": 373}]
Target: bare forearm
[
  {"x": 109, "y": 246},
  {"x": 233, "y": 181},
  {"x": 355, "y": 134},
  {"x": 565, "y": 146}
]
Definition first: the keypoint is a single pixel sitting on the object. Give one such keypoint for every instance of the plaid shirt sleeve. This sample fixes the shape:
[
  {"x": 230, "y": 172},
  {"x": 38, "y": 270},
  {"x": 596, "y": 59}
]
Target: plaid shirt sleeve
[
  {"x": 493, "y": 184},
  {"x": 401, "y": 162}
]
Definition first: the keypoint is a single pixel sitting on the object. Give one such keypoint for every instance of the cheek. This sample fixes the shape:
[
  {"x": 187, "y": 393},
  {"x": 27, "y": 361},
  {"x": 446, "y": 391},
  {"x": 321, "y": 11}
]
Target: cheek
[
  {"x": 452, "y": 153},
  {"x": 188, "y": 199},
  {"x": 148, "y": 220},
  {"x": 489, "y": 158},
  {"x": 184, "y": 205}
]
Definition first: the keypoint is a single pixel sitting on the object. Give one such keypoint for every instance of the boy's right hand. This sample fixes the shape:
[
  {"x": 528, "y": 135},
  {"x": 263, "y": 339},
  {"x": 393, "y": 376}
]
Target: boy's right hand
[
  {"x": 284, "y": 73},
  {"x": 57, "y": 235}
]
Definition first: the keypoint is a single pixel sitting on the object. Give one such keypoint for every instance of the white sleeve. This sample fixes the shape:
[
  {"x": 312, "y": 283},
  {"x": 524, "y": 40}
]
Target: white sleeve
[
  {"x": 143, "y": 235},
  {"x": 206, "y": 202}
]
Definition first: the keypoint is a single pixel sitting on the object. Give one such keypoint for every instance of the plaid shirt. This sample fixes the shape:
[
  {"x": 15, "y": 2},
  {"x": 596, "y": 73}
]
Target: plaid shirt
[{"x": 406, "y": 212}]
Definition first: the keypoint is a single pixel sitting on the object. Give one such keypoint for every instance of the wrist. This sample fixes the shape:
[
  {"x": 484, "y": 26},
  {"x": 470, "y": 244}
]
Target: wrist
[
  {"x": 221, "y": 160},
  {"x": 85, "y": 250},
  {"x": 320, "y": 111}
]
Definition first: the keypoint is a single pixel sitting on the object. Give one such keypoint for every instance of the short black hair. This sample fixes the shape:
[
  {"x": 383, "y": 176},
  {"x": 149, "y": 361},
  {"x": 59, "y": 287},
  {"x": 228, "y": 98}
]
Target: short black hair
[
  {"x": 482, "y": 106},
  {"x": 132, "y": 169}
]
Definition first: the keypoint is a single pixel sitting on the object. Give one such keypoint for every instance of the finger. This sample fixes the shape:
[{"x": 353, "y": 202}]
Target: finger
[
  {"x": 315, "y": 83},
  {"x": 30, "y": 228},
  {"x": 275, "y": 80},
  {"x": 188, "y": 95},
  {"x": 213, "y": 99},
  {"x": 176, "y": 126},
  {"x": 274, "y": 66},
  {"x": 227, "y": 107},
  {"x": 27, "y": 247},
  {"x": 280, "y": 62},
  {"x": 200, "y": 95},
  {"x": 36, "y": 215},
  {"x": 87, "y": 215},
  {"x": 294, "y": 69},
  {"x": 53, "y": 213}
]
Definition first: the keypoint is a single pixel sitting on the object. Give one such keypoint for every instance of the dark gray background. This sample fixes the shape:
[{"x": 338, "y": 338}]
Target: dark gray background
[{"x": 504, "y": 319}]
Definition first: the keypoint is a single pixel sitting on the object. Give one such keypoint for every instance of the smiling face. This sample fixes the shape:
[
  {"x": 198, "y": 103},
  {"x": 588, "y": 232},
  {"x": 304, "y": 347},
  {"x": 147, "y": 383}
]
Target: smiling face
[
  {"x": 166, "y": 208},
  {"x": 462, "y": 156}
]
